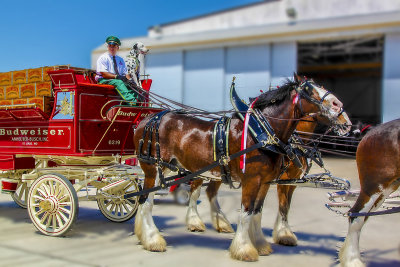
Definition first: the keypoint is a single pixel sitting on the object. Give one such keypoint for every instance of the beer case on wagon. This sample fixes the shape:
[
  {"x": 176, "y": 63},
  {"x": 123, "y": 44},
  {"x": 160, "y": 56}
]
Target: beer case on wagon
[{"x": 52, "y": 147}]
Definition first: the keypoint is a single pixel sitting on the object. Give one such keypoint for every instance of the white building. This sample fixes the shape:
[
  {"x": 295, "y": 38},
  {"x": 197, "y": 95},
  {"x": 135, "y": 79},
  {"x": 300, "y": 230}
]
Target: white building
[{"x": 351, "y": 47}]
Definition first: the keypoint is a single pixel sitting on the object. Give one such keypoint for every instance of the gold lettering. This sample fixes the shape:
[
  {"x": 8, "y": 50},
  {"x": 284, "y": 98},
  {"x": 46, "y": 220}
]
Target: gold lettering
[{"x": 127, "y": 114}]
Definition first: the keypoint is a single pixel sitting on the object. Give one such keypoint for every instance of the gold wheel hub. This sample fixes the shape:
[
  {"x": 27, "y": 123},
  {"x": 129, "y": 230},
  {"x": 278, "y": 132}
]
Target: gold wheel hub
[{"x": 49, "y": 205}]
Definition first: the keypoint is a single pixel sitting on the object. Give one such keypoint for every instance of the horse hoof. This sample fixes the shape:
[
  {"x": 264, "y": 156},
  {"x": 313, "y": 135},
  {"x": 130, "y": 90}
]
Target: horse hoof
[
  {"x": 196, "y": 228},
  {"x": 244, "y": 253},
  {"x": 224, "y": 228},
  {"x": 353, "y": 263},
  {"x": 264, "y": 250},
  {"x": 222, "y": 225},
  {"x": 156, "y": 244},
  {"x": 194, "y": 223},
  {"x": 285, "y": 238}
]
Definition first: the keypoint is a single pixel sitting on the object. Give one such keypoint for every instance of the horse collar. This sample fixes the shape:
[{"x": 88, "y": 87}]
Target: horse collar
[{"x": 260, "y": 129}]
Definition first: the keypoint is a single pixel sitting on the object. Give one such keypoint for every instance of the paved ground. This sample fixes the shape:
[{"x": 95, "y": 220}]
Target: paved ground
[{"x": 95, "y": 241}]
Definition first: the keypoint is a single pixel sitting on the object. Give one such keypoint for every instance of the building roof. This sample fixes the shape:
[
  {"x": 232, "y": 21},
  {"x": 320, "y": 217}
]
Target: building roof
[{"x": 322, "y": 28}]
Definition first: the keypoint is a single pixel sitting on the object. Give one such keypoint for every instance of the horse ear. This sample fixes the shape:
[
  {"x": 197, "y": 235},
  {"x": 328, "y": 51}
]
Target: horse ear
[{"x": 296, "y": 77}]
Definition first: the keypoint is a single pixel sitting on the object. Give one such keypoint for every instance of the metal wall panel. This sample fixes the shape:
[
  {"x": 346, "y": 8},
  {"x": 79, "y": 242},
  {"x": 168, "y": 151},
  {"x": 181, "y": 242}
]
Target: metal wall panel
[
  {"x": 391, "y": 78},
  {"x": 283, "y": 62},
  {"x": 203, "y": 79},
  {"x": 167, "y": 74},
  {"x": 251, "y": 66}
]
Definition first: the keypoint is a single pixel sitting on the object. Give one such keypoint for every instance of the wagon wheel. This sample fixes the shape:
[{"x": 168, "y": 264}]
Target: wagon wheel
[
  {"x": 116, "y": 208},
  {"x": 20, "y": 196},
  {"x": 182, "y": 194},
  {"x": 52, "y": 204}
]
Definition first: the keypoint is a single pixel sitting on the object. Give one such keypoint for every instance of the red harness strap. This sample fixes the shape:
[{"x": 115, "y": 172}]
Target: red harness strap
[{"x": 365, "y": 128}]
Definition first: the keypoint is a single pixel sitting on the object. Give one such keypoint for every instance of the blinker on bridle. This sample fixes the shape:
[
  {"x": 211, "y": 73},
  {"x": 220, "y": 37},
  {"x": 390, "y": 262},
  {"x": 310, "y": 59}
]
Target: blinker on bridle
[{"x": 304, "y": 90}]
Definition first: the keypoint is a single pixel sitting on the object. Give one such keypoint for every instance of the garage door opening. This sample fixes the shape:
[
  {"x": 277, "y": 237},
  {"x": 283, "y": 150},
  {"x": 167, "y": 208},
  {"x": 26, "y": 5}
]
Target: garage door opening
[{"x": 351, "y": 69}]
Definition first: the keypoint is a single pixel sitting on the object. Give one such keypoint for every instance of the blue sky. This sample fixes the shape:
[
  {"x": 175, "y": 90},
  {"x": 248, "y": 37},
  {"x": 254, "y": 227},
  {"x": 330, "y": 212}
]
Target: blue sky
[{"x": 45, "y": 32}]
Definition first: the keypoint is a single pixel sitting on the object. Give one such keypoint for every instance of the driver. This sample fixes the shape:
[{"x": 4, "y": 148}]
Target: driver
[{"x": 111, "y": 70}]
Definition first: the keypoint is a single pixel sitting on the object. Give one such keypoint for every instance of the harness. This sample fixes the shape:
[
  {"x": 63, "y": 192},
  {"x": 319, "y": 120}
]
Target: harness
[
  {"x": 261, "y": 130},
  {"x": 151, "y": 128},
  {"x": 221, "y": 149}
]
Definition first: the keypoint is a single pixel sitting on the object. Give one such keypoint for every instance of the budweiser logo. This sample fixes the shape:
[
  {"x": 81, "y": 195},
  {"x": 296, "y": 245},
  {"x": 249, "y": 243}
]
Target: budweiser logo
[
  {"x": 30, "y": 132},
  {"x": 127, "y": 114}
]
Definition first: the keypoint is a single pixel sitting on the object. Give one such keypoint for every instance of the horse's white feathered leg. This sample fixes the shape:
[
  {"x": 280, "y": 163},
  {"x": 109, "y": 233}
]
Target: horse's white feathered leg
[
  {"x": 257, "y": 236},
  {"x": 241, "y": 247},
  {"x": 218, "y": 218},
  {"x": 193, "y": 220},
  {"x": 282, "y": 233},
  {"x": 145, "y": 228},
  {"x": 349, "y": 254}
]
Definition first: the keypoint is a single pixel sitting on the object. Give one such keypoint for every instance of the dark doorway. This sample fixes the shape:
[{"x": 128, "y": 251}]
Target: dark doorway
[{"x": 351, "y": 69}]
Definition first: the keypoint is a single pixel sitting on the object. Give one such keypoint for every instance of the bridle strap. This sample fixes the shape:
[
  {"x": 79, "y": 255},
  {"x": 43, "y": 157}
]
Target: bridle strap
[{"x": 324, "y": 96}]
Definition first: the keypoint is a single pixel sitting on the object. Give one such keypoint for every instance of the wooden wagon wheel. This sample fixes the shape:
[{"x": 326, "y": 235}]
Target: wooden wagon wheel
[
  {"x": 115, "y": 207},
  {"x": 52, "y": 204},
  {"x": 20, "y": 196}
]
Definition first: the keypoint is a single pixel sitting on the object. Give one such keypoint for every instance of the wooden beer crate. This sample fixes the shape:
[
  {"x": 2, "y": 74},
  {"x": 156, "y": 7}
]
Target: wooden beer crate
[
  {"x": 45, "y": 103},
  {"x": 19, "y": 77},
  {"x": 27, "y": 90},
  {"x": 20, "y": 102},
  {"x": 35, "y": 75},
  {"x": 5, "y": 102},
  {"x": 43, "y": 89},
  {"x": 12, "y": 91},
  {"x": 5, "y": 78}
]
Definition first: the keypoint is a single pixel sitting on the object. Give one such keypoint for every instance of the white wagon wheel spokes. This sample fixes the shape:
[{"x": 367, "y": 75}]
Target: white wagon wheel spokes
[
  {"x": 52, "y": 204},
  {"x": 116, "y": 208},
  {"x": 20, "y": 196}
]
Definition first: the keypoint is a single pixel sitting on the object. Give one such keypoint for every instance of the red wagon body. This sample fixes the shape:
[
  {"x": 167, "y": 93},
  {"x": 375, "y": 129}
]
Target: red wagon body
[
  {"x": 79, "y": 144},
  {"x": 87, "y": 120}
]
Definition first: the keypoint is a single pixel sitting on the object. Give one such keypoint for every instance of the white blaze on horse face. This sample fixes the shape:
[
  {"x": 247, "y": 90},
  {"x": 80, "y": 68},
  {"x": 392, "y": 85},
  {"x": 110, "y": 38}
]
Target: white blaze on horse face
[{"x": 334, "y": 105}]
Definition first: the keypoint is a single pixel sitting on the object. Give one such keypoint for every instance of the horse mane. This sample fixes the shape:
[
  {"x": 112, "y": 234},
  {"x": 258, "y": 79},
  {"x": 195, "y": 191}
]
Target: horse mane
[{"x": 277, "y": 96}]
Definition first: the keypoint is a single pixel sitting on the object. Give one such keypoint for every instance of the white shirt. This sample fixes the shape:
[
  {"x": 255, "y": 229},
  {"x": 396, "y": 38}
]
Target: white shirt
[{"x": 105, "y": 64}]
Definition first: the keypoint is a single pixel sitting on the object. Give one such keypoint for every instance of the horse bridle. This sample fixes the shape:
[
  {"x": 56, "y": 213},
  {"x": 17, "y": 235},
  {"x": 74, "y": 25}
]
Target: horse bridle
[{"x": 303, "y": 91}]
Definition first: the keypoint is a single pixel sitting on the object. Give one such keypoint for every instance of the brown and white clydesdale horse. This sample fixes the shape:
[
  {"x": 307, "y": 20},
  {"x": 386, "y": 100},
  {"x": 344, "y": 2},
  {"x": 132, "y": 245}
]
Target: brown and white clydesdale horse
[
  {"x": 187, "y": 141},
  {"x": 378, "y": 163},
  {"x": 282, "y": 234}
]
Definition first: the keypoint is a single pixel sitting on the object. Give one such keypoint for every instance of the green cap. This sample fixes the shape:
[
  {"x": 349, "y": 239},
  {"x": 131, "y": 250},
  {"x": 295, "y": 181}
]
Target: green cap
[{"x": 113, "y": 40}]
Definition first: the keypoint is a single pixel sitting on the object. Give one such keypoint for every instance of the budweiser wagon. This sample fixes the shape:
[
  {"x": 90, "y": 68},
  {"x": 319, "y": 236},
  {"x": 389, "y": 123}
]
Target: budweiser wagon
[{"x": 75, "y": 139}]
